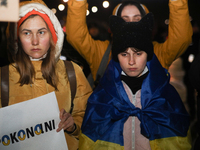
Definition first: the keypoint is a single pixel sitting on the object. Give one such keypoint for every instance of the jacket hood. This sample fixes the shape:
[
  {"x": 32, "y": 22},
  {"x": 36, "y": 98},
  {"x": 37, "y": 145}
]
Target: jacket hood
[
  {"x": 40, "y": 6},
  {"x": 118, "y": 6}
]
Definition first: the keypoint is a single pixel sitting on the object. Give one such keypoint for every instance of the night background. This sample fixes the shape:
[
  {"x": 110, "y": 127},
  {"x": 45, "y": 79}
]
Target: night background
[{"x": 158, "y": 7}]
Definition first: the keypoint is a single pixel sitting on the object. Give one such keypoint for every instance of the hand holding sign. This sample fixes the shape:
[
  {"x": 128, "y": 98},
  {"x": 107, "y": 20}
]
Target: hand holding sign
[
  {"x": 32, "y": 125},
  {"x": 67, "y": 122}
]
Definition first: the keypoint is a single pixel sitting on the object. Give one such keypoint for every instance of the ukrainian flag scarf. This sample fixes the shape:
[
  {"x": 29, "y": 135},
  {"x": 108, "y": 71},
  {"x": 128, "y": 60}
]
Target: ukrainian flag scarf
[{"x": 164, "y": 120}]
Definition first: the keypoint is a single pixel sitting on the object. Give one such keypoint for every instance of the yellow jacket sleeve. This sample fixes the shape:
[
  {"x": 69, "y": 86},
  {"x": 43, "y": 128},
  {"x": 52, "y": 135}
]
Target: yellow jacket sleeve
[
  {"x": 179, "y": 34},
  {"x": 79, "y": 37}
]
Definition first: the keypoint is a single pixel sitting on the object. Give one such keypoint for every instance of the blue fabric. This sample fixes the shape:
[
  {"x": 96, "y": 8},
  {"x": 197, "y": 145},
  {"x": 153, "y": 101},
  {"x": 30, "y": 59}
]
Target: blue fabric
[{"x": 162, "y": 115}]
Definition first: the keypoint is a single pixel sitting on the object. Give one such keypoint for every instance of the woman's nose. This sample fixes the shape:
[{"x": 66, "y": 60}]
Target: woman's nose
[{"x": 35, "y": 40}]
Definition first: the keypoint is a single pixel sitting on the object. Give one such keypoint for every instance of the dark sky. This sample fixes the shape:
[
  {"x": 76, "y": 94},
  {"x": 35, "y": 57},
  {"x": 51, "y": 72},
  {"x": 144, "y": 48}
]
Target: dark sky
[{"x": 158, "y": 7}]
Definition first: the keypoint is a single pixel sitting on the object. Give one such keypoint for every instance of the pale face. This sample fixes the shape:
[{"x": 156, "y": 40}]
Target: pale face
[
  {"x": 133, "y": 63},
  {"x": 131, "y": 13},
  {"x": 35, "y": 37}
]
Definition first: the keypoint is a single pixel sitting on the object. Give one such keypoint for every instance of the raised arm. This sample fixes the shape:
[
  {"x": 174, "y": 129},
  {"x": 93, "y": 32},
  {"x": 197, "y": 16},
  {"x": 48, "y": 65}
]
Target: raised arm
[
  {"x": 179, "y": 33},
  {"x": 79, "y": 37}
]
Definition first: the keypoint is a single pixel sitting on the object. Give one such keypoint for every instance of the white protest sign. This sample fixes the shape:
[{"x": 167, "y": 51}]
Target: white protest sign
[
  {"x": 31, "y": 125},
  {"x": 9, "y": 10}
]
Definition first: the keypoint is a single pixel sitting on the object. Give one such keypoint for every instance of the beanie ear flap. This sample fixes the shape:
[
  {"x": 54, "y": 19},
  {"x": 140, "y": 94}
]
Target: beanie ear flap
[
  {"x": 148, "y": 21},
  {"x": 115, "y": 23}
]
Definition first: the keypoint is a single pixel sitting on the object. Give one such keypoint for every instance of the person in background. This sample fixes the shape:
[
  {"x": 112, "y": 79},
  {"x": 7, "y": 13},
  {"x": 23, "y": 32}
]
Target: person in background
[
  {"x": 177, "y": 74},
  {"x": 134, "y": 107},
  {"x": 98, "y": 31},
  {"x": 36, "y": 69},
  {"x": 188, "y": 56},
  {"x": 194, "y": 78},
  {"x": 179, "y": 32}
]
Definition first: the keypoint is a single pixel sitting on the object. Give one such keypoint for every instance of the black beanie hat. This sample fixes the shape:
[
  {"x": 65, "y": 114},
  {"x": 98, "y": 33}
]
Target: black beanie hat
[{"x": 132, "y": 34}]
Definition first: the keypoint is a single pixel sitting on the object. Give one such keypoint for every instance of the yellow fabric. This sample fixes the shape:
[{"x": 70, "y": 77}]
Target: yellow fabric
[
  {"x": 115, "y": 9},
  {"x": 179, "y": 38},
  {"x": 180, "y": 34},
  {"x": 32, "y": 1},
  {"x": 172, "y": 143},
  {"x": 40, "y": 87},
  {"x": 87, "y": 144}
]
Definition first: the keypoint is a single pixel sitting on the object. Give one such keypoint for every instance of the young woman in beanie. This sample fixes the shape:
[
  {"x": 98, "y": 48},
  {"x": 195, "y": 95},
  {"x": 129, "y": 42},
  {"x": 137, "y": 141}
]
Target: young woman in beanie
[
  {"x": 134, "y": 107},
  {"x": 179, "y": 32},
  {"x": 36, "y": 69}
]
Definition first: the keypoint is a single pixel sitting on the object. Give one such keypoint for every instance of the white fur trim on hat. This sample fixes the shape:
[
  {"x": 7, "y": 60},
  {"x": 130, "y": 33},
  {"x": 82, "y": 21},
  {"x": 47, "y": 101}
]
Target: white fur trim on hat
[{"x": 45, "y": 10}]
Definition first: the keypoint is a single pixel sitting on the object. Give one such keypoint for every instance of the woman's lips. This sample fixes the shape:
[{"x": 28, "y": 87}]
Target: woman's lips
[{"x": 35, "y": 49}]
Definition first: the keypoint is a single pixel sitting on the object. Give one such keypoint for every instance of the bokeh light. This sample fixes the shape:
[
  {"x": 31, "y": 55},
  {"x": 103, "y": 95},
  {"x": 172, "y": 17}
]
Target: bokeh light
[
  {"x": 54, "y": 10},
  {"x": 191, "y": 58},
  {"x": 94, "y": 9},
  {"x": 106, "y": 4},
  {"x": 87, "y": 12},
  {"x": 61, "y": 7}
]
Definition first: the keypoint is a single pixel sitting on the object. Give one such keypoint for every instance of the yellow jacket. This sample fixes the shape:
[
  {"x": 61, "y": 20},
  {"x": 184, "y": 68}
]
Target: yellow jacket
[
  {"x": 40, "y": 87},
  {"x": 179, "y": 35}
]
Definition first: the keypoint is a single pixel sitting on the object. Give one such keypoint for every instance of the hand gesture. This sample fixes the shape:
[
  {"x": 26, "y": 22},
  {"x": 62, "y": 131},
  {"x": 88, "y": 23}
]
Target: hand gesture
[{"x": 67, "y": 122}]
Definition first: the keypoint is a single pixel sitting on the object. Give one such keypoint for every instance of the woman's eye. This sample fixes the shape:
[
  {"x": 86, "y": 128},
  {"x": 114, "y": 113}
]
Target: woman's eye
[
  {"x": 125, "y": 19},
  {"x": 138, "y": 18},
  {"x": 26, "y": 33},
  {"x": 41, "y": 32}
]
